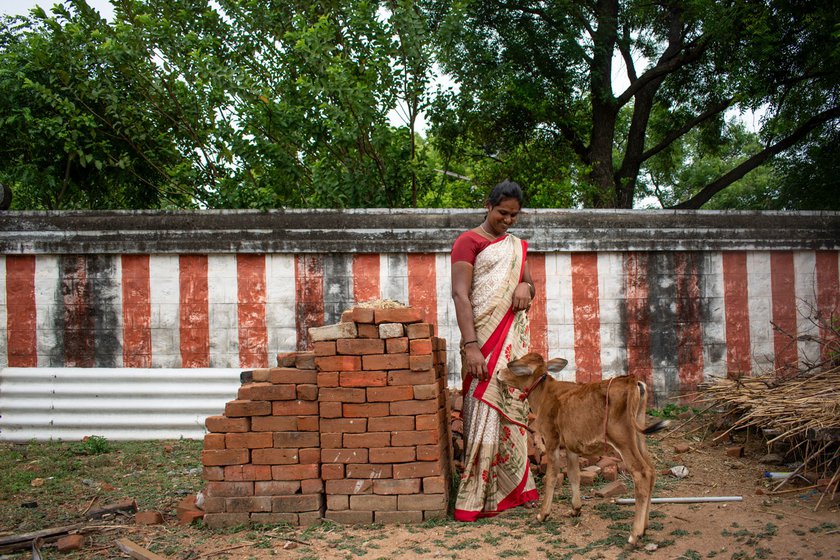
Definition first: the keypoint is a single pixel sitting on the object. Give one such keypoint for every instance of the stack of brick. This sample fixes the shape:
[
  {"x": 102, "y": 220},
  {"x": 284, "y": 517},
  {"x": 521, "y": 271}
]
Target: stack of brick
[
  {"x": 385, "y": 443},
  {"x": 262, "y": 457}
]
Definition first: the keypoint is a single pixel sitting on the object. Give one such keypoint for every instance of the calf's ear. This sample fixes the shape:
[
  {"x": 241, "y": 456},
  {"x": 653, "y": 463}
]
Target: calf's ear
[
  {"x": 556, "y": 364},
  {"x": 518, "y": 369}
]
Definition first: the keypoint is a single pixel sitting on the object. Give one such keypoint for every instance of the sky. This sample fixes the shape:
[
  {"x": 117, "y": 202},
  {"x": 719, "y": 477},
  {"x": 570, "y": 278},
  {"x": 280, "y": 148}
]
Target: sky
[{"x": 22, "y": 7}]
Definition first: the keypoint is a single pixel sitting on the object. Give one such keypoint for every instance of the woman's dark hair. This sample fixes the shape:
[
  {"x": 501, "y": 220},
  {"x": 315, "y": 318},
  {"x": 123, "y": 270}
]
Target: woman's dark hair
[{"x": 505, "y": 189}]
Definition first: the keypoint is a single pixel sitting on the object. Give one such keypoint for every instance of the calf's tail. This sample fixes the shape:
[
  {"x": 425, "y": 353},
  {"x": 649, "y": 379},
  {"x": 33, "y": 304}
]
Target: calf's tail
[{"x": 642, "y": 407}]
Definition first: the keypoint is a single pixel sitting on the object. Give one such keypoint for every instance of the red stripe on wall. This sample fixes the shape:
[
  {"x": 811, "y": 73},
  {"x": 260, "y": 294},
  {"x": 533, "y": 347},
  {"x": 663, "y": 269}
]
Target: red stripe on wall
[
  {"x": 587, "y": 317},
  {"x": 79, "y": 343},
  {"x": 783, "y": 292},
  {"x": 195, "y": 314},
  {"x": 21, "y": 318},
  {"x": 689, "y": 321},
  {"x": 137, "y": 311},
  {"x": 736, "y": 302},
  {"x": 253, "y": 334},
  {"x": 366, "y": 277},
  {"x": 537, "y": 313},
  {"x": 422, "y": 285},
  {"x": 309, "y": 279},
  {"x": 828, "y": 301},
  {"x": 637, "y": 312}
]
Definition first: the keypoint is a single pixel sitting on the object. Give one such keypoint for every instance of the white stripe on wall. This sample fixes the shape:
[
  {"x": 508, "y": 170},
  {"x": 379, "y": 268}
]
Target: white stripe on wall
[
  {"x": 393, "y": 276},
  {"x": 222, "y": 296},
  {"x": 447, "y": 327},
  {"x": 560, "y": 318},
  {"x": 611, "y": 296},
  {"x": 4, "y": 340},
  {"x": 714, "y": 317},
  {"x": 165, "y": 299},
  {"x": 805, "y": 272},
  {"x": 280, "y": 305},
  {"x": 48, "y": 306},
  {"x": 761, "y": 310},
  {"x": 117, "y": 297}
]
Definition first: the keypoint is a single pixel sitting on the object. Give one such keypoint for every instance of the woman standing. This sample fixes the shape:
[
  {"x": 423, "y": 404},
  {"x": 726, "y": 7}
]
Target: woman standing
[{"x": 492, "y": 290}]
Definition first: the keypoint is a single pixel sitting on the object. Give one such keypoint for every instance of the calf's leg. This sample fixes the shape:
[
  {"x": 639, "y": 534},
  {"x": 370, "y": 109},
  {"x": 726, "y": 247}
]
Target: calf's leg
[
  {"x": 551, "y": 473},
  {"x": 574, "y": 481},
  {"x": 643, "y": 479}
]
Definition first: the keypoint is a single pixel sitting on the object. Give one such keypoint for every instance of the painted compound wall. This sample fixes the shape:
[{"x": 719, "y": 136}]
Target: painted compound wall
[{"x": 671, "y": 297}]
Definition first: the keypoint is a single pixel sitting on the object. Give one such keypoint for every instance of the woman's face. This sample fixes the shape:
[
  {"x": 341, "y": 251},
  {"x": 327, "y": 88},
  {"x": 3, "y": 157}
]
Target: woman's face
[{"x": 502, "y": 216}]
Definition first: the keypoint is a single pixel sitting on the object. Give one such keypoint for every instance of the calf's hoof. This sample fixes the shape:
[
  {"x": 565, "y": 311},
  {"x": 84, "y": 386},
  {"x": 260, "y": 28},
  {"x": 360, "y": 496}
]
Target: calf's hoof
[
  {"x": 573, "y": 513},
  {"x": 542, "y": 517}
]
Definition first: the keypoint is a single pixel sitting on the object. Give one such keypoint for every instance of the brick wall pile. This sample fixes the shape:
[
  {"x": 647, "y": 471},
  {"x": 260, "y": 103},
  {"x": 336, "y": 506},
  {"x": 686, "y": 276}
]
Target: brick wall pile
[{"x": 355, "y": 431}]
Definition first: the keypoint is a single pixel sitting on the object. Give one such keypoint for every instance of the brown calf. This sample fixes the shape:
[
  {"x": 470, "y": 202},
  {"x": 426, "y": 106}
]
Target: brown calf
[{"x": 583, "y": 419}]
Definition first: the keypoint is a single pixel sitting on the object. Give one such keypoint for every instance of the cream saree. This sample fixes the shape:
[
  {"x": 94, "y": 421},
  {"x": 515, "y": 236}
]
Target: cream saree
[{"x": 496, "y": 470}]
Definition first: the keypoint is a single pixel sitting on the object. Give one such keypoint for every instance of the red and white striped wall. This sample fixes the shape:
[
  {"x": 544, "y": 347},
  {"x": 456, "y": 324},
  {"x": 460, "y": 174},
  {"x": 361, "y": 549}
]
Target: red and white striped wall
[{"x": 672, "y": 318}]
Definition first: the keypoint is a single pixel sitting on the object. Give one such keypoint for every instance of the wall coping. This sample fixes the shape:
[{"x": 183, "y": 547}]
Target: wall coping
[{"x": 406, "y": 230}]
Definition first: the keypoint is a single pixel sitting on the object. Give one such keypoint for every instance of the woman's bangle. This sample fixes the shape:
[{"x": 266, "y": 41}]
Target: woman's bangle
[
  {"x": 471, "y": 342},
  {"x": 531, "y": 288}
]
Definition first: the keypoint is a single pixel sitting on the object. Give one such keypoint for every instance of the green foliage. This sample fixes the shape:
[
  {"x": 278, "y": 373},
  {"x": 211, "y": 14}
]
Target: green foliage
[
  {"x": 670, "y": 411},
  {"x": 92, "y": 445}
]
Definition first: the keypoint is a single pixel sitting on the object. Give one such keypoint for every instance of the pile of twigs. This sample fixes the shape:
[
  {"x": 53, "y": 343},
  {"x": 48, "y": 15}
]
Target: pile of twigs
[{"x": 803, "y": 412}]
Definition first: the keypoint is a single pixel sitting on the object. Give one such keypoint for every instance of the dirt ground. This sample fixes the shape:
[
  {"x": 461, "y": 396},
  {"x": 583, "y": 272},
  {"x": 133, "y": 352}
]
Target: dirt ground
[{"x": 761, "y": 525}]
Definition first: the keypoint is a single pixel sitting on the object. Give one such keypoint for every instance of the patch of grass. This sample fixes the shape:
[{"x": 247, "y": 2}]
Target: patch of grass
[
  {"x": 822, "y": 527},
  {"x": 669, "y": 411},
  {"x": 679, "y": 533},
  {"x": 689, "y": 555},
  {"x": 509, "y": 553},
  {"x": 464, "y": 545},
  {"x": 612, "y": 511},
  {"x": 92, "y": 445}
]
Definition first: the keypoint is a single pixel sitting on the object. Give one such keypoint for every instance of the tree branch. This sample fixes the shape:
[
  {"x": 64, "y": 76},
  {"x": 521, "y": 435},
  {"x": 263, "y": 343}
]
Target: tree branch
[
  {"x": 707, "y": 192},
  {"x": 672, "y": 136}
]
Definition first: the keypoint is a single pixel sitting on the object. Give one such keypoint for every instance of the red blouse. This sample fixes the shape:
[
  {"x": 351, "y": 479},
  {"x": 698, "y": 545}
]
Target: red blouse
[{"x": 468, "y": 245}]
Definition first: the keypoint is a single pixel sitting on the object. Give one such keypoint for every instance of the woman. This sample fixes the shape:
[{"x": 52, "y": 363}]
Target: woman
[{"x": 492, "y": 290}]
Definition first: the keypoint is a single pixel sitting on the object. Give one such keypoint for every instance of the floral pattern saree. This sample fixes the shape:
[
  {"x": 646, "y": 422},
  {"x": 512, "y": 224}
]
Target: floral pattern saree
[{"x": 496, "y": 474}]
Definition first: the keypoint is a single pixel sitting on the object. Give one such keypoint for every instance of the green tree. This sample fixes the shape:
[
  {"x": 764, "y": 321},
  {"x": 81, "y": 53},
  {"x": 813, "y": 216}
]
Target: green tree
[{"x": 534, "y": 71}]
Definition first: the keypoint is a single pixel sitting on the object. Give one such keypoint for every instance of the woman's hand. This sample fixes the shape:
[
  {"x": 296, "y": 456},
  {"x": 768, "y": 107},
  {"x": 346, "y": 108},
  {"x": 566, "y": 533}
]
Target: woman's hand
[
  {"x": 522, "y": 297},
  {"x": 474, "y": 361}
]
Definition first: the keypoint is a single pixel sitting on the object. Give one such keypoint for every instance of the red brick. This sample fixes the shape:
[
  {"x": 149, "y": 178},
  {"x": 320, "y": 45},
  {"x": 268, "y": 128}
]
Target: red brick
[
  {"x": 332, "y": 472},
  {"x": 306, "y": 518},
  {"x": 366, "y": 410},
  {"x": 367, "y": 439},
  {"x": 348, "y": 486},
  {"x": 362, "y": 315},
  {"x": 390, "y": 517},
  {"x": 434, "y": 485},
  {"x": 420, "y": 363},
  {"x": 324, "y": 348},
  {"x": 373, "y": 502},
  {"x": 312, "y": 486},
  {"x": 276, "y": 487},
  {"x": 404, "y": 486},
  {"x": 615, "y": 488},
  {"x": 266, "y": 392},
  {"x": 389, "y": 394},
  {"x": 369, "y": 471},
  {"x": 341, "y": 425},
  {"x": 344, "y": 456},
  {"x": 252, "y": 504},
  {"x": 428, "y": 452},
  {"x": 331, "y": 441},
  {"x": 363, "y": 379},
  {"x": 350, "y": 517},
  {"x": 735, "y": 451},
  {"x": 230, "y": 489},
  {"x": 300, "y": 502},
  {"x": 296, "y": 439},
  {"x": 214, "y": 505},
  {"x": 222, "y": 457},
  {"x": 214, "y": 441},
  {"x": 265, "y": 518},
  {"x": 286, "y": 359},
  {"x": 247, "y": 472},
  {"x": 294, "y": 408},
  {"x": 417, "y": 470},
  {"x": 222, "y": 424},
  {"x": 275, "y": 456},
  {"x": 415, "y": 437},
  {"x": 397, "y": 345},
  {"x": 420, "y": 330},
  {"x": 273, "y": 423},
  {"x": 339, "y": 363},
  {"x": 338, "y": 502},
  {"x": 310, "y": 455},
  {"x": 420, "y": 347},
  {"x": 305, "y": 360},
  {"x": 426, "y": 392},
  {"x": 213, "y": 473},
  {"x": 415, "y": 502},
  {"x": 251, "y": 440},
  {"x": 70, "y": 542},
  {"x": 367, "y": 331},
  {"x": 189, "y": 517},
  {"x": 306, "y": 392},
  {"x": 407, "y": 408},
  {"x": 239, "y": 409},
  {"x": 392, "y": 454},
  {"x": 295, "y": 472},
  {"x": 389, "y": 423},
  {"x": 385, "y": 361},
  {"x": 342, "y": 394},
  {"x": 148, "y": 518},
  {"x": 294, "y": 376},
  {"x": 327, "y": 379},
  {"x": 405, "y": 377},
  {"x": 428, "y": 421},
  {"x": 307, "y": 424},
  {"x": 331, "y": 410},
  {"x": 398, "y": 315},
  {"x": 360, "y": 346}
]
